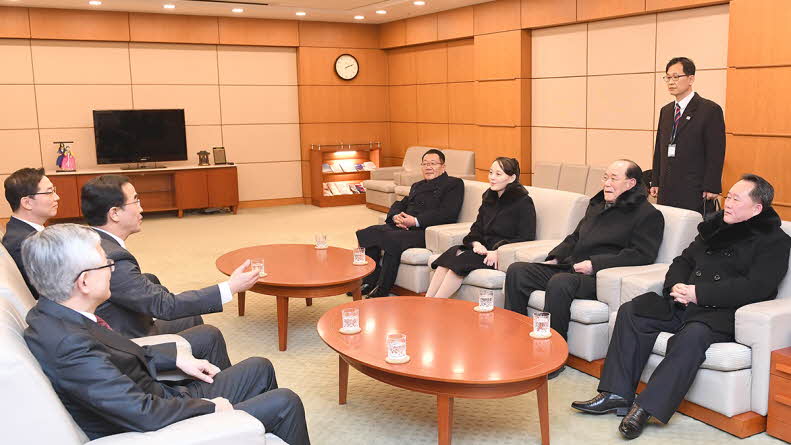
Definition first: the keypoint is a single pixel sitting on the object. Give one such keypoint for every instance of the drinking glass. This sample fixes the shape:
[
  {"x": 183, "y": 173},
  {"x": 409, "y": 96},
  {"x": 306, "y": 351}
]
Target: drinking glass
[
  {"x": 359, "y": 255},
  {"x": 541, "y": 324},
  {"x": 486, "y": 299},
  {"x": 351, "y": 319},
  {"x": 396, "y": 346},
  {"x": 258, "y": 264},
  {"x": 321, "y": 241}
]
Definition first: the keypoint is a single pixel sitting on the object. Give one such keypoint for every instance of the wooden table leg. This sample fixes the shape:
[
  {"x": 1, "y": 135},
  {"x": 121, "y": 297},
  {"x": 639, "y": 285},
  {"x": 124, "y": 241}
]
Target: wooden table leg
[
  {"x": 356, "y": 294},
  {"x": 240, "y": 300},
  {"x": 542, "y": 394},
  {"x": 282, "y": 322},
  {"x": 343, "y": 380},
  {"x": 308, "y": 302},
  {"x": 444, "y": 419}
]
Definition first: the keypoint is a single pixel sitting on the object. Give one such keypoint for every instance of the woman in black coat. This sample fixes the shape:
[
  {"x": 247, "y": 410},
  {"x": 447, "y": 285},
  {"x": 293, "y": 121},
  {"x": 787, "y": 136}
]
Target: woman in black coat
[{"x": 506, "y": 215}]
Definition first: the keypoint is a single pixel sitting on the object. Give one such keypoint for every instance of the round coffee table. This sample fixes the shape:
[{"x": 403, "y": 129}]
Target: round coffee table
[
  {"x": 298, "y": 271},
  {"x": 455, "y": 352}
]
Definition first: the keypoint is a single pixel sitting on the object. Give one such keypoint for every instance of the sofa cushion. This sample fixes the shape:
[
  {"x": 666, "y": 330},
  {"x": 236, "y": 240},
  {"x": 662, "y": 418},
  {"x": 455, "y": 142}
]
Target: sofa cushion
[
  {"x": 719, "y": 356},
  {"x": 582, "y": 311},
  {"x": 557, "y": 212},
  {"x": 402, "y": 190},
  {"x": 379, "y": 185},
  {"x": 486, "y": 278},
  {"x": 416, "y": 256}
]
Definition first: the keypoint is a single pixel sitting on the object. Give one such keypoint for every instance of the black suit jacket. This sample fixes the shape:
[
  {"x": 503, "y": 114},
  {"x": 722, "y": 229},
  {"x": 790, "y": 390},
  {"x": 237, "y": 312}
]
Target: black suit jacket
[
  {"x": 432, "y": 202},
  {"x": 700, "y": 154},
  {"x": 510, "y": 218},
  {"x": 135, "y": 300},
  {"x": 106, "y": 382},
  {"x": 16, "y": 232}
]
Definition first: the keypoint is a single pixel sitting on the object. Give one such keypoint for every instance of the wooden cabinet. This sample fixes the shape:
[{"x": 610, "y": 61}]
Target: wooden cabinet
[
  {"x": 331, "y": 154},
  {"x": 778, "y": 419},
  {"x": 159, "y": 190}
]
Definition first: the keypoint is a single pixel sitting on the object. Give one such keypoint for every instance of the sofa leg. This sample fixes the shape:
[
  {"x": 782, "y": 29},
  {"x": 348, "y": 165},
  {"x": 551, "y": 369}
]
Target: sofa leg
[{"x": 591, "y": 368}]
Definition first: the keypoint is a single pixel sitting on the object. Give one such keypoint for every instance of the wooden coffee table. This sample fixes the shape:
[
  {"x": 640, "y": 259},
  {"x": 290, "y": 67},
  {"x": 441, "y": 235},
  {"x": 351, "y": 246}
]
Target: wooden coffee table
[
  {"x": 298, "y": 271},
  {"x": 455, "y": 352}
]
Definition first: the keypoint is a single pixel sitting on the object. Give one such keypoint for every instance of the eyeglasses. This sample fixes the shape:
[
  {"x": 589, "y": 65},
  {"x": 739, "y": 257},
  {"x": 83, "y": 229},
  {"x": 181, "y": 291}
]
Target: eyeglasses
[
  {"x": 674, "y": 77},
  {"x": 110, "y": 264},
  {"x": 130, "y": 203},
  {"x": 51, "y": 191},
  {"x": 430, "y": 164}
]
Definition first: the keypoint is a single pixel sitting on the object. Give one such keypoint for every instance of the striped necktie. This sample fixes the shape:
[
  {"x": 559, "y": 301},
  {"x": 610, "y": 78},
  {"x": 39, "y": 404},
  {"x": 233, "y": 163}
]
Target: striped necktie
[
  {"x": 100, "y": 321},
  {"x": 676, "y": 118}
]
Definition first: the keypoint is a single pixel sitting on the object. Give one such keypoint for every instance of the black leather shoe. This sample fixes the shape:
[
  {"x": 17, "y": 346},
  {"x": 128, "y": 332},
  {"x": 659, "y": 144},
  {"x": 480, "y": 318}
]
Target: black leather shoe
[
  {"x": 604, "y": 403},
  {"x": 377, "y": 292},
  {"x": 556, "y": 372},
  {"x": 364, "y": 289},
  {"x": 632, "y": 425}
]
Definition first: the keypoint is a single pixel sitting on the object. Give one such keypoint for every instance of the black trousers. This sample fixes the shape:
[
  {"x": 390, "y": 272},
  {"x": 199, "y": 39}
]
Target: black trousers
[
  {"x": 561, "y": 287},
  {"x": 251, "y": 386},
  {"x": 385, "y": 243},
  {"x": 631, "y": 345}
]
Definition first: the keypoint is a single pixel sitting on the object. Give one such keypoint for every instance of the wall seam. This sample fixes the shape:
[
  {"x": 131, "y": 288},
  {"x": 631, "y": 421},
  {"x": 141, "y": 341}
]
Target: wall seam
[{"x": 35, "y": 97}]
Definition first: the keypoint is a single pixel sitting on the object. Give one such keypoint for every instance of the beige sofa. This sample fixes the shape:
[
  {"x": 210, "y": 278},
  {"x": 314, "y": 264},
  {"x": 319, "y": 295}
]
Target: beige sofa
[
  {"x": 734, "y": 379},
  {"x": 33, "y": 413},
  {"x": 381, "y": 191},
  {"x": 575, "y": 178}
]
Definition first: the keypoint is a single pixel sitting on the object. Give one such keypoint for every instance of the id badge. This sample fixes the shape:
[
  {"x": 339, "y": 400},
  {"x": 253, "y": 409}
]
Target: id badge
[{"x": 671, "y": 151}]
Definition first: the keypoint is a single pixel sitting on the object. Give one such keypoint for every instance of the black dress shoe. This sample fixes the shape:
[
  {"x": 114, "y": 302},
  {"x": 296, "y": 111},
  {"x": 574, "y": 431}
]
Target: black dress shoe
[
  {"x": 364, "y": 289},
  {"x": 632, "y": 425},
  {"x": 377, "y": 292},
  {"x": 556, "y": 372},
  {"x": 604, "y": 403}
]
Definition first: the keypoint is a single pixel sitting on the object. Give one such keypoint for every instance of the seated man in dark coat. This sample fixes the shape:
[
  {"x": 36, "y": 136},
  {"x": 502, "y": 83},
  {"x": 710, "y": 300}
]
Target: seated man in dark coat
[
  {"x": 108, "y": 383},
  {"x": 739, "y": 257},
  {"x": 435, "y": 200},
  {"x": 33, "y": 201},
  {"x": 111, "y": 206},
  {"x": 620, "y": 228}
]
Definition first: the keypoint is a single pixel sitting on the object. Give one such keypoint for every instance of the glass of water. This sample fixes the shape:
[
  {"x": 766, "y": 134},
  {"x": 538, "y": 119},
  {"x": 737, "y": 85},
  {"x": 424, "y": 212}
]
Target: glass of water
[
  {"x": 258, "y": 264},
  {"x": 541, "y": 324},
  {"x": 486, "y": 300},
  {"x": 321, "y": 240},
  {"x": 351, "y": 319},
  {"x": 396, "y": 346},
  {"x": 359, "y": 255}
]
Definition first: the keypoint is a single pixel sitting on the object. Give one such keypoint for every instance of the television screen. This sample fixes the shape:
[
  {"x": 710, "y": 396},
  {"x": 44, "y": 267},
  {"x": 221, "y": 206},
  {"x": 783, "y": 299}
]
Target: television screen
[{"x": 126, "y": 136}]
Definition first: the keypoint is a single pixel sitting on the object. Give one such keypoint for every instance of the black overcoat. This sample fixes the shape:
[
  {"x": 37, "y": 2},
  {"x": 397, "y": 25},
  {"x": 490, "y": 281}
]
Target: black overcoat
[
  {"x": 730, "y": 265},
  {"x": 16, "y": 232},
  {"x": 700, "y": 153},
  {"x": 432, "y": 202}
]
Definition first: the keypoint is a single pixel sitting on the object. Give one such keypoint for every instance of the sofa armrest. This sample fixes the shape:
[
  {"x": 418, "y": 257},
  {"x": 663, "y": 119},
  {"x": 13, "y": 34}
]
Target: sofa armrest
[
  {"x": 182, "y": 346},
  {"x": 236, "y": 427},
  {"x": 609, "y": 282},
  {"x": 385, "y": 173},
  {"x": 526, "y": 251},
  {"x": 651, "y": 281},
  {"x": 470, "y": 177},
  {"x": 444, "y": 236},
  {"x": 764, "y": 327}
]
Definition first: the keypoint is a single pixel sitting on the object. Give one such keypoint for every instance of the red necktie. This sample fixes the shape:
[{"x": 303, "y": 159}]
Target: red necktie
[
  {"x": 676, "y": 118},
  {"x": 100, "y": 321}
]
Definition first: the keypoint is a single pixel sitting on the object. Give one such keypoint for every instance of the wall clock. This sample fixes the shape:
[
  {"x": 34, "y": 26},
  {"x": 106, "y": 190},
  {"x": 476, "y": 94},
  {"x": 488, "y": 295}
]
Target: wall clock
[{"x": 347, "y": 67}]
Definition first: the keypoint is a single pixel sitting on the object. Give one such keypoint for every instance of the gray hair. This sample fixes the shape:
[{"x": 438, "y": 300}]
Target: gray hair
[{"x": 56, "y": 256}]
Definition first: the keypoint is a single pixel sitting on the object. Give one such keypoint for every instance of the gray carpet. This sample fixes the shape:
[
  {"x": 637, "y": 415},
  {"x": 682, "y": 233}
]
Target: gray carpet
[{"x": 182, "y": 253}]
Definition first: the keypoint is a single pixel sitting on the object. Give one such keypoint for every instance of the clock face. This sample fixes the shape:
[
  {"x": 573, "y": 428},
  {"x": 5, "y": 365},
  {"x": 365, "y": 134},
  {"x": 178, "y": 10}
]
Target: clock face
[{"x": 347, "y": 67}]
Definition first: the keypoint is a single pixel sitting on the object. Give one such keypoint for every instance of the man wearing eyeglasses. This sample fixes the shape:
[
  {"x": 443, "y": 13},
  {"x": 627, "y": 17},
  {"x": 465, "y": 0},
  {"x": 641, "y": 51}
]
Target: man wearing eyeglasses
[
  {"x": 33, "y": 200},
  {"x": 435, "y": 200},
  {"x": 111, "y": 206},
  {"x": 690, "y": 144}
]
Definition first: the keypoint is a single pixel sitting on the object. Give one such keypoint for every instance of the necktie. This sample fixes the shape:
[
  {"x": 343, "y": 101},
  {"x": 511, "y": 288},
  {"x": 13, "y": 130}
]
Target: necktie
[
  {"x": 100, "y": 321},
  {"x": 676, "y": 118}
]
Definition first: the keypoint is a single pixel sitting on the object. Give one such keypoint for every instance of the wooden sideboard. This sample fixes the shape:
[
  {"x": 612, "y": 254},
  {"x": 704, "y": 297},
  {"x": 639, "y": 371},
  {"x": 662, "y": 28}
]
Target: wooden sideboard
[{"x": 161, "y": 189}]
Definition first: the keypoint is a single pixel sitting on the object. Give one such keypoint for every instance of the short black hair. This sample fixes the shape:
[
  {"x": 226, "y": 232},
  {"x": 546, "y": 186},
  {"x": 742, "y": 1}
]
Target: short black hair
[
  {"x": 762, "y": 191},
  {"x": 434, "y": 151},
  {"x": 633, "y": 171},
  {"x": 510, "y": 167},
  {"x": 21, "y": 183},
  {"x": 99, "y": 195},
  {"x": 686, "y": 63}
]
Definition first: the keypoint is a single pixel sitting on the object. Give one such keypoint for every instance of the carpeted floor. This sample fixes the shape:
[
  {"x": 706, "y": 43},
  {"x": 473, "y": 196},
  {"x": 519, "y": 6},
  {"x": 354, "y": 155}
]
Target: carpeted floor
[{"x": 182, "y": 253}]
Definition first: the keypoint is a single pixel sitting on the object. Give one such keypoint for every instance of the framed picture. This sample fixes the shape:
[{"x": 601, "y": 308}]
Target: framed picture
[{"x": 219, "y": 155}]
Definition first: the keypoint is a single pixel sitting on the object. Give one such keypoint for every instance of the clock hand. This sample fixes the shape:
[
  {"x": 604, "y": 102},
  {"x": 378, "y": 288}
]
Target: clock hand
[{"x": 348, "y": 66}]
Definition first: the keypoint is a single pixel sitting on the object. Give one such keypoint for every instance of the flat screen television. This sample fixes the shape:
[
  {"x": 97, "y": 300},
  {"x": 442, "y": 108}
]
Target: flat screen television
[{"x": 134, "y": 136}]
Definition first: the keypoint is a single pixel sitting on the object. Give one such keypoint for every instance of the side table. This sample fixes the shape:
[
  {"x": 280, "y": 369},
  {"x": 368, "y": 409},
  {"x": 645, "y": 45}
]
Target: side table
[{"x": 778, "y": 419}]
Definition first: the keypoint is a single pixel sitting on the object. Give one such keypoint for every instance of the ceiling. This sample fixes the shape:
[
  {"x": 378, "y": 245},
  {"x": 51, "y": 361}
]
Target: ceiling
[{"x": 318, "y": 10}]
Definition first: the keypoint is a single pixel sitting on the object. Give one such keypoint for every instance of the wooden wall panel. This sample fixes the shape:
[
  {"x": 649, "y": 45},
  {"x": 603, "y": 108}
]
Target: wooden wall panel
[
  {"x": 14, "y": 23},
  {"x": 759, "y": 33},
  {"x": 499, "y": 103},
  {"x": 501, "y": 15},
  {"x": 403, "y": 103},
  {"x": 173, "y": 28},
  {"x": 73, "y": 24},
  {"x": 402, "y": 135},
  {"x": 338, "y": 35},
  {"x": 461, "y": 61},
  {"x": 666, "y": 5},
  {"x": 765, "y": 156},
  {"x": 455, "y": 23},
  {"x": 432, "y": 135},
  {"x": 462, "y": 137},
  {"x": 432, "y": 103},
  {"x": 500, "y": 56},
  {"x": 317, "y": 66},
  {"x": 602, "y": 9},
  {"x": 431, "y": 63},
  {"x": 242, "y": 31},
  {"x": 498, "y": 141},
  {"x": 461, "y": 103},
  {"x": 323, "y": 104},
  {"x": 401, "y": 66},
  {"x": 392, "y": 34},
  {"x": 541, "y": 13},
  {"x": 759, "y": 101},
  {"x": 421, "y": 29},
  {"x": 347, "y": 133}
]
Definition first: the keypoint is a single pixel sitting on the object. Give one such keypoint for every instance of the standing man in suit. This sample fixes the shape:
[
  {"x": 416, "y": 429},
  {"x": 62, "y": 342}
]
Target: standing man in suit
[
  {"x": 111, "y": 206},
  {"x": 437, "y": 199},
  {"x": 33, "y": 200},
  {"x": 739, "y": 257},
  {"x": 690, "y": 144},
  {"x": 108, "y": 383}
]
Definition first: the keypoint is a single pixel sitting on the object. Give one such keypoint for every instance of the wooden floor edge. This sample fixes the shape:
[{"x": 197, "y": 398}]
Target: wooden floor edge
[
  {"x": 272, "y": 202},
  {"x": 377, "y": 207},
  {"x": 591, "y": 368},
  {"x": 401, "y": 292}
]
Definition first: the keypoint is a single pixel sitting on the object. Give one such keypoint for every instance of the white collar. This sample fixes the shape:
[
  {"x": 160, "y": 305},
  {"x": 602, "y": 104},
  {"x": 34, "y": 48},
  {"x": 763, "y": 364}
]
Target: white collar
[
  {"x": 89, "y": 316},
  {"x": 685, "y": 101},
  {"x": 38, "y": 227},
  {"x": 120, "y": 241}
]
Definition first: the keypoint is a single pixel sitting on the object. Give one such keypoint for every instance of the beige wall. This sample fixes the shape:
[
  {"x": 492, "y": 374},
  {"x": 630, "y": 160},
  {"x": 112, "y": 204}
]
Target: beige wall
[
  {"x": 243, "y": 98},
  {"x": 597, "y": 87}
]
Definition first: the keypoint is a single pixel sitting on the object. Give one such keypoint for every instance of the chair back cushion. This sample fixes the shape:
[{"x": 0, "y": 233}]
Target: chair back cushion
[
  {"x": 413, "y": 157},
  {"x": 784, "y": 290},
  {"x": 557, "y": 212},
  {"x": 12, "y": 286},
  {"x": 573, "y": 178},
  {"x": 593, "y": 184},
  {"x": 459, "y": 162},
  {"x": 546, "y": 175},
  {"x": 681, "y": 227},
  {"x": 473, "y": 195}
]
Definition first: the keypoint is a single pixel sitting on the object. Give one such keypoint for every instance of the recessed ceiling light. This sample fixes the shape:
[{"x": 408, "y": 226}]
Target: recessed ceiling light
[
  {"x": 94, "y": 3},
  {"x": 381, "y": 11},
  {"x": 419, "y": 3},
  {"x": 237, "y": 10},
  {"x": 169, "y": 6},
  {"x": 301, "y": 13},
  {"x": 359, "y": 17}
]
